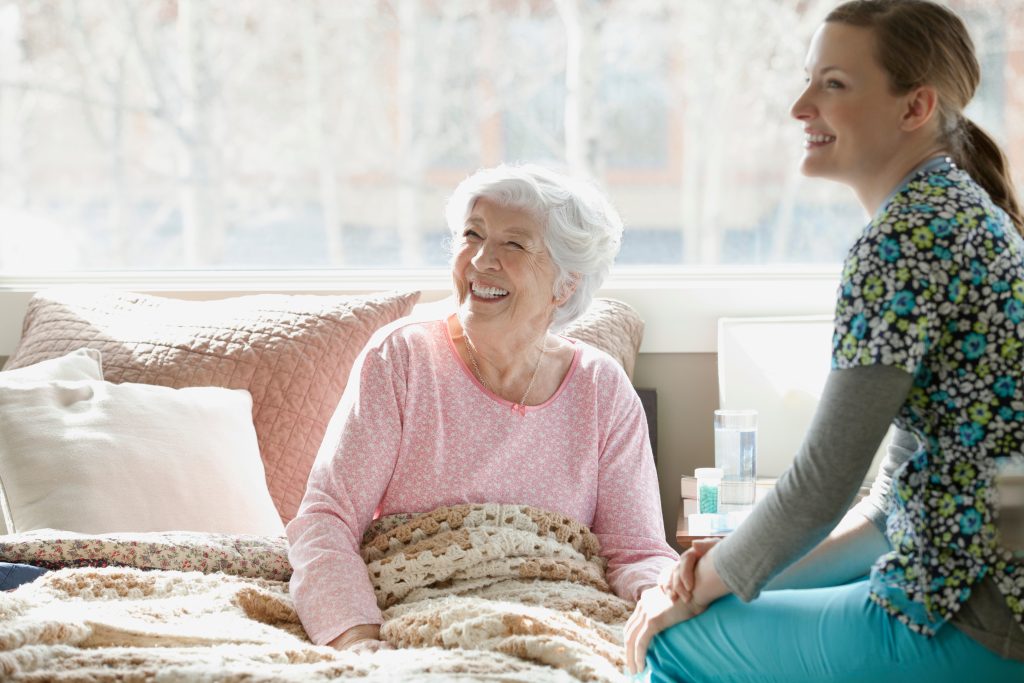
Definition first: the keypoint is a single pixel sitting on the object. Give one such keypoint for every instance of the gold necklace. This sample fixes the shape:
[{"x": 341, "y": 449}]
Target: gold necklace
[{"x": 516, "y": 407}]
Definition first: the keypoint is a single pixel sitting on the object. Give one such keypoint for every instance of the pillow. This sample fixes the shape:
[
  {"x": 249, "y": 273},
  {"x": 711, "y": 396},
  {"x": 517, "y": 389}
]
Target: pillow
[
  {"x": 95, "y": 457},
  {"x": 612, "y": 326},
  {"x": 80, "y": 364},
  {"x": 293, "y": 353}
]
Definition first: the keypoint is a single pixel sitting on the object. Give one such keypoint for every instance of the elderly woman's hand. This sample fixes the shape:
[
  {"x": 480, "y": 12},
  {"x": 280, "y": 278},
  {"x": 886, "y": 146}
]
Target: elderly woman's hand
[
  {"x": 654, "y": 612},
  {"x": 361, "y": 638},
  {"x": 682, "y": 594}
]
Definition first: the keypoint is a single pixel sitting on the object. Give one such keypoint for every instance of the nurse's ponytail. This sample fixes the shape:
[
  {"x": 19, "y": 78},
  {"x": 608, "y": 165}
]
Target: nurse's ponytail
[{"x": 979, "y": 155}]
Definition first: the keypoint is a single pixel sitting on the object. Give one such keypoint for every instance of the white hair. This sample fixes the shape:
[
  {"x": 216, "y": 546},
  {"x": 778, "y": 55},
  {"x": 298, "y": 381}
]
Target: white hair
[{"x": 582, "y": 231}]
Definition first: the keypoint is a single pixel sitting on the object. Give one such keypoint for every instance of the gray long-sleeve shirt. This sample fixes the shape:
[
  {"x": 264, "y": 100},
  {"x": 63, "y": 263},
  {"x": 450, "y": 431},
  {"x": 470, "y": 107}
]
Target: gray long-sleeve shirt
[{"x": 810, "y": 498}]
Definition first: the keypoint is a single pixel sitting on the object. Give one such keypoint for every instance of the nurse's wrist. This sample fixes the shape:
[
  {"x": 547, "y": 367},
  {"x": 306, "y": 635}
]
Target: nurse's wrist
[{"x": 708, "y": 584}]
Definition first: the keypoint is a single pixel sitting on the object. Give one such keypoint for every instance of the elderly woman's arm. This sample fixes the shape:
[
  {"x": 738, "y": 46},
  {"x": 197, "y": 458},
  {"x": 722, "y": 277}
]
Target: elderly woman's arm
[
  {"x": 330, "y": 583},
  {"x": 628, "y": 519}
]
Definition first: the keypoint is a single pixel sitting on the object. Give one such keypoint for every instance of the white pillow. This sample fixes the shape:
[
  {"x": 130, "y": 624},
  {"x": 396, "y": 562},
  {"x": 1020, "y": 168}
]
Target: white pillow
[
  {"x": 96, "y": 457},
  {"x": 80, "y": 364}
]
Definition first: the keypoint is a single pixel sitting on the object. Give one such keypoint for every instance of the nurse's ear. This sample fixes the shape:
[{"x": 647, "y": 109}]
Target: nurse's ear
[{"x": 921, "y": 104}]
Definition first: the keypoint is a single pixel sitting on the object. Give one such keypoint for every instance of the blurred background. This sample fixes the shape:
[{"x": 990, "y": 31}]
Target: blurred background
[{"x": 265, "y": 134}]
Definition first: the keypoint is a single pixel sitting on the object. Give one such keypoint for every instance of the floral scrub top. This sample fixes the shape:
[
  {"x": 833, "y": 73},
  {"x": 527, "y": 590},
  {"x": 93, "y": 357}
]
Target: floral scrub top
[{"x": 935, "y": 286}]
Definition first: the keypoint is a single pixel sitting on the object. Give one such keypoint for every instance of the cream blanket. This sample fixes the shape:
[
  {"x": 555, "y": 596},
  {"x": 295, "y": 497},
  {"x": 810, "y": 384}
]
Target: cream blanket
[{"x": 472, "y": 592}]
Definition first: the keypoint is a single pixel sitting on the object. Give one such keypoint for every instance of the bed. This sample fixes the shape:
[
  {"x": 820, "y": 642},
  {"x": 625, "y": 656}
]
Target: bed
[{"x": 151, "y": 451}]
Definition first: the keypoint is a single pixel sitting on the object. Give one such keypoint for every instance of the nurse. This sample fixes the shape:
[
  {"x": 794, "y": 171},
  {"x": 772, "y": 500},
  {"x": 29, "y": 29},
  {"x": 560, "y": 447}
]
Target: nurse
[{"x": 914, "y": 583}]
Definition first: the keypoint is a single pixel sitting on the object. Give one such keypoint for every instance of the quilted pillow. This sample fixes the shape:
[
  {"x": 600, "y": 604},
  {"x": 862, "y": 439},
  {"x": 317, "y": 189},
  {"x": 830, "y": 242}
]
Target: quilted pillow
[
  {"x": 612, "y": 326},
  {"x": 292, "y": 353}
]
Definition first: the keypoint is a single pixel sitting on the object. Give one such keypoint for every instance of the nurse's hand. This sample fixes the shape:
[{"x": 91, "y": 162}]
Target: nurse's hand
[
  {"x": 654, "y": 612},
  {"x": 679, "y": 582}
]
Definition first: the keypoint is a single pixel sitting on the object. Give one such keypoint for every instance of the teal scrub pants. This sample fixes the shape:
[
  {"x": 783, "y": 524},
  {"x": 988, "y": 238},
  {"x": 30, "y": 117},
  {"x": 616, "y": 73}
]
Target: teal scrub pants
[{"x": 813, "y": 636}]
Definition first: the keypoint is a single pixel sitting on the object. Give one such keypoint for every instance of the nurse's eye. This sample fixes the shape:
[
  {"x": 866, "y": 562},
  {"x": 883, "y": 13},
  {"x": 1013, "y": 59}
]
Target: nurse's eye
[{"x": 833, "y": 84}]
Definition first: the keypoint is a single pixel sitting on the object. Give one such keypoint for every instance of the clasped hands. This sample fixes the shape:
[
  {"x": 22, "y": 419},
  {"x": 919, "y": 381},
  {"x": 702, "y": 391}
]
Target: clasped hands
[{"x": 670, "y": 602}]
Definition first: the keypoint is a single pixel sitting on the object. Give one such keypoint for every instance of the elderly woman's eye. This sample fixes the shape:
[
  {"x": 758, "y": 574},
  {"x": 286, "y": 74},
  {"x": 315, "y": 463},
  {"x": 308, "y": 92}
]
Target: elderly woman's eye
[
  {"x": 515, "y": 245},
  {"x": 470, "y": 233}
]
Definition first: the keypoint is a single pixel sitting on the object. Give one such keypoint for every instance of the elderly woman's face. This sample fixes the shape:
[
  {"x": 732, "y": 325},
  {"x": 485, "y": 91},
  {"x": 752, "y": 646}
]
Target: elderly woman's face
[{"x": 502, "y": 268}]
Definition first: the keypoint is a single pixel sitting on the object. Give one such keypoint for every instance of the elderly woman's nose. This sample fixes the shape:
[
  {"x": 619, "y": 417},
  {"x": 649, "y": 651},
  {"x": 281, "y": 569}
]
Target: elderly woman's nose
[{"x": 485, "y": 257}]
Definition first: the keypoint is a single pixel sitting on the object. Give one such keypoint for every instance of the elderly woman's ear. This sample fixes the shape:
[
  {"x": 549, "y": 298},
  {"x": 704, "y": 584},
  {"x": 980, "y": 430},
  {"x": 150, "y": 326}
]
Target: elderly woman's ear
[{"x": 568, "y": 289}]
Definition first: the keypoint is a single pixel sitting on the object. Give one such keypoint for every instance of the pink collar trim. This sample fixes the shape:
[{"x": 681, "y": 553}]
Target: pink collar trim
[{"x": 523, "y": 410}]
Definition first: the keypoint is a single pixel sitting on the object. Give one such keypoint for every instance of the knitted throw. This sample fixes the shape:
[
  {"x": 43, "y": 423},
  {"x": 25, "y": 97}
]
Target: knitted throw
[{"x": 469, "y": 592}]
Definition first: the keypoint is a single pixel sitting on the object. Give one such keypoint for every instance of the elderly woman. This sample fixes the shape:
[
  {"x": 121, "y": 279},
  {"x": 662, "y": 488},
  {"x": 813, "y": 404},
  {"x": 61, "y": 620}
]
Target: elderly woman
[{"x": 490, "y": 405}]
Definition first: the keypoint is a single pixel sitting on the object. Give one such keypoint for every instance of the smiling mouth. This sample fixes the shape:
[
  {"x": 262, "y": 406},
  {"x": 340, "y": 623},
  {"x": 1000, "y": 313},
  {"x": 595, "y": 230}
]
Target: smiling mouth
[
  {"x": 818, "y": 140},
  {"x": 487, "y": 293}
]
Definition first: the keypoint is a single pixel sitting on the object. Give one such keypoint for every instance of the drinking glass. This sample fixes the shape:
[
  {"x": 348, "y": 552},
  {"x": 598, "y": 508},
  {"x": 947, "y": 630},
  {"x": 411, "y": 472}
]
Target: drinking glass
[{"x": 736, "y": 456}]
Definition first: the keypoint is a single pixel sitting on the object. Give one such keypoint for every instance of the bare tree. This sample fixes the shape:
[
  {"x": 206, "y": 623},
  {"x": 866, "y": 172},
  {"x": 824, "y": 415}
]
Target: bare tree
[
  {"x": 12, "y": 152},
  {"x": 411, "y": 159},
  {"x": 584, "y": 20},
  {"x": 198, "y": 158},
  {"x": 320, "y": 130},
  {"x": 101, "y": 77},
  {"x": 736, "y": 83}
]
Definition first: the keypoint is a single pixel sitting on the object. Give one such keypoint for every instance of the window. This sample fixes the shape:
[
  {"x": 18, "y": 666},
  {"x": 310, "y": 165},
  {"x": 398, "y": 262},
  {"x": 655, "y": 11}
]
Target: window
[{"x": 211, "y": 134}]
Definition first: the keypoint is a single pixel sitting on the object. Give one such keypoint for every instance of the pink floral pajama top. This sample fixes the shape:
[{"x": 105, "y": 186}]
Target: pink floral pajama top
[{"x": 415, "y": 431}]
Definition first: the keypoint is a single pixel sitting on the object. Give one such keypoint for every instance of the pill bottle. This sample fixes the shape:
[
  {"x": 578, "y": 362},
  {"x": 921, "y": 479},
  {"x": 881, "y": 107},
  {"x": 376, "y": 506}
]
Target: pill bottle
[{"x": 709, "y": 479}]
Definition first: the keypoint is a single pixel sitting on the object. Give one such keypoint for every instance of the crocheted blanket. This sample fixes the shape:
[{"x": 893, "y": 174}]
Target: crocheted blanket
[{"x": 471, "y": 592}]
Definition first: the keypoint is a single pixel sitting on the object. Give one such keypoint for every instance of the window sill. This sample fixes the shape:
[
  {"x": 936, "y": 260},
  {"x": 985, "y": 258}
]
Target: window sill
[{"x": 681, "y": 306}]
